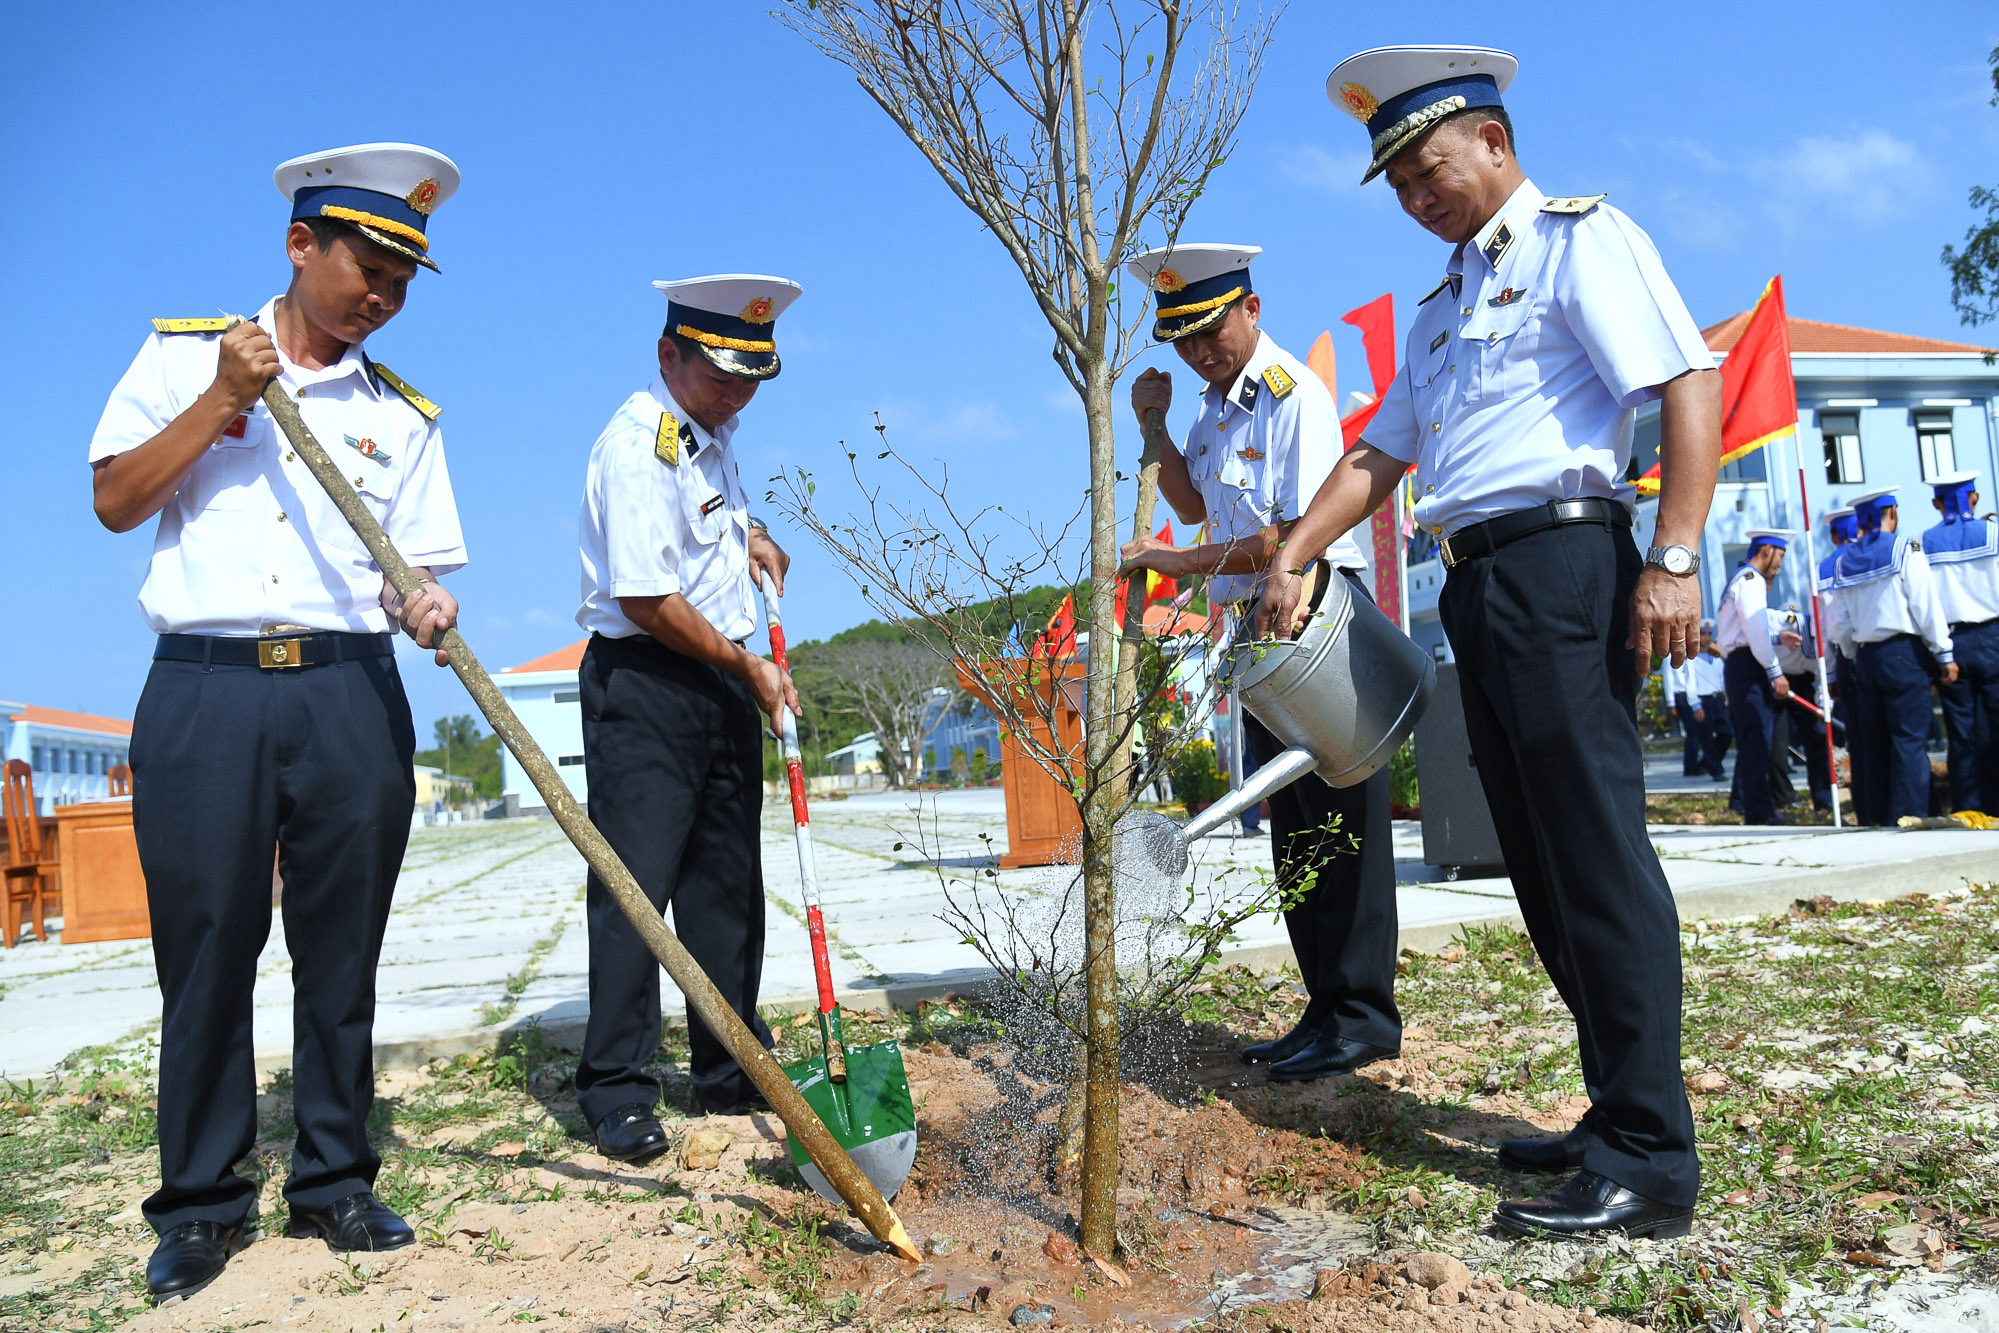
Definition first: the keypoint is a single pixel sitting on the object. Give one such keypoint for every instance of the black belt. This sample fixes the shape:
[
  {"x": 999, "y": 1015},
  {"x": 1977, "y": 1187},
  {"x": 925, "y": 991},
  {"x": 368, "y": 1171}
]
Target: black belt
[
  {"x": 1479, "y": 538},
  {"x": 1963, "y": 625},
  {"x": 273, "y": 652}
]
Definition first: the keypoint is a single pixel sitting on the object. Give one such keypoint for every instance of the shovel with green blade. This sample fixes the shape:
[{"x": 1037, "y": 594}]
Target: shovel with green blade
[{"x": 862, "y": 1092}]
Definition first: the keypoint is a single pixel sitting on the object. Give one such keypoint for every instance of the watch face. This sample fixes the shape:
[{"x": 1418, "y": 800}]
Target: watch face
[{"x": 1677, "y": 560}]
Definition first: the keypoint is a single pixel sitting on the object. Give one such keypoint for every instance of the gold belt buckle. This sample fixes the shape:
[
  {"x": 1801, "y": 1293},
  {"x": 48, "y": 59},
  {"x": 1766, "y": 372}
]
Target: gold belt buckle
[{"x": 277, "y": 654}]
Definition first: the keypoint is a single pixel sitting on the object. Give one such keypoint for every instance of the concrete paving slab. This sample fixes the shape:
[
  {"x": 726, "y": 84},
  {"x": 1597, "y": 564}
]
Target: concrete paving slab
[{"x": 475, "y": 901}]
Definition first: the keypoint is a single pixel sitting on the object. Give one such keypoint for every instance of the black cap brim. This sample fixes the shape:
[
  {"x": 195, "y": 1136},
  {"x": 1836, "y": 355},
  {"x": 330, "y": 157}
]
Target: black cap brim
[
  {"x": 746, "y": 365},
  {"x": 1168, "y": 330}
]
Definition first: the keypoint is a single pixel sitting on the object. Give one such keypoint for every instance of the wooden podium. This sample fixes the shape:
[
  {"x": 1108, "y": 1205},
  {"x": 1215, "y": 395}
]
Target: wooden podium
[
  {"x": 1043, "y": 825},
  {"x": 103, "y": 889}
]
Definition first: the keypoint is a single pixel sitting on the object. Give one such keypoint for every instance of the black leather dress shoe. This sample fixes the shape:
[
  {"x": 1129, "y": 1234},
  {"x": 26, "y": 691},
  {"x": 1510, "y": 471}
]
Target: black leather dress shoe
[
  {"x": 1587, "y": 1201},
  {"x": 751, "y": 1102},
  {"x": 1563, "y": 1152},
  {"x": 189, "y": 1257},
  {"x": 356, "y": 1222},
  {"x": 1329, "y": 1056},
  {"x": 1286, "y": 1046},
  {"x": 631, "y": 1133}
]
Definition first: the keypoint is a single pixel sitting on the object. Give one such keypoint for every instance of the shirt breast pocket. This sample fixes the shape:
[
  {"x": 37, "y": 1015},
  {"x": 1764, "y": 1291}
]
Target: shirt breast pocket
[
  {"x": 706, "y": 513},
  {"x": 377, "y": 485},
  {"x": 1500, "y": 342},
  {"x": 225, "y": 477},
  {"x": 1427, "y": 368}
]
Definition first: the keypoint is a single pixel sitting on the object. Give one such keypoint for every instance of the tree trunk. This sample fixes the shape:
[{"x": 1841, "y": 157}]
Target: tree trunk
[{"x": 1100, "y": 1116}]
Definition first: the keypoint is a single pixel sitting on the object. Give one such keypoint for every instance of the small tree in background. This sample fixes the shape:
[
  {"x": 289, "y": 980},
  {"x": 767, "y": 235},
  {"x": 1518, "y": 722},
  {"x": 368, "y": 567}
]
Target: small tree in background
[
  {"x": 1974, "y": 270},
  {"x": 1076, "y": 133}
]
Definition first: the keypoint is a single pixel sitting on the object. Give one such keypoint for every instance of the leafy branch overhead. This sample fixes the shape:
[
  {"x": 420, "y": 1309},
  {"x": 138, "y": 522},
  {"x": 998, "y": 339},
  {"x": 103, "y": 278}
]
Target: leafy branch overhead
[{"x": 1974, "y": 270}]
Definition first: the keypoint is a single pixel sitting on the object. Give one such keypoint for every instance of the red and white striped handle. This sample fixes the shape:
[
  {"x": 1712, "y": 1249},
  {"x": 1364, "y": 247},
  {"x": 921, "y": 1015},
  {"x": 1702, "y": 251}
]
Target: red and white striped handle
[{"x": 794, "y": 770}]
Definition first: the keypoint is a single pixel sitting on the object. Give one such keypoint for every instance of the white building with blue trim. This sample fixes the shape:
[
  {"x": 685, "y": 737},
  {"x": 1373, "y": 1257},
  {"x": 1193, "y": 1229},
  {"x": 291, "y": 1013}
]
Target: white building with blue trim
[{"x": 70, "y": 755}]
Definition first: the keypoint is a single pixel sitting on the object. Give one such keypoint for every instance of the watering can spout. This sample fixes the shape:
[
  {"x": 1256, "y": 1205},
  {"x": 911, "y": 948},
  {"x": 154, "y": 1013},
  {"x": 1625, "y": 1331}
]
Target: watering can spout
[{"x": 1280, "y": 772}]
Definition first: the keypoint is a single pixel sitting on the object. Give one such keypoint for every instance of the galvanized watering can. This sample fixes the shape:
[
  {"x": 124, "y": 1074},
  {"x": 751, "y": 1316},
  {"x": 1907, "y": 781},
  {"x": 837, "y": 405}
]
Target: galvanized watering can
[{"x": 1342, "y": 696}]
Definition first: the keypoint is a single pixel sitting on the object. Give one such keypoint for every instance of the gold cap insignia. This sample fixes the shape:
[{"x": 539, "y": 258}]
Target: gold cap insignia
[
  {"x": 1168, "y": 281},
  {"x": 1361, "y": 104},
  {"x": 758, "y": 311},
  {"x": 424, "y": 197}
]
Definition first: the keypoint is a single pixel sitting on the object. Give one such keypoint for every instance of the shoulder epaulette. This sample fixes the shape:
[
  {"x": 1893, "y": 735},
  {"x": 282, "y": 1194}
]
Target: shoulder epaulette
[
  {"x": 400, "y": 385},
  {"x": 204, "y": 324},
  {"x": 1438, "y": 288},
  {"x": 1574, "y": 205},
  {"x": 1280, "y": 383},
  {"x": 666, "y": 444}
]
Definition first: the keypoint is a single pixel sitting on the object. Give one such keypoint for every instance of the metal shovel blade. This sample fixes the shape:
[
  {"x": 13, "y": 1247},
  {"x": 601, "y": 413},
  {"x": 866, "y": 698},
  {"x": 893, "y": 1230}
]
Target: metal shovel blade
[{"x": 871, "y": 1115}]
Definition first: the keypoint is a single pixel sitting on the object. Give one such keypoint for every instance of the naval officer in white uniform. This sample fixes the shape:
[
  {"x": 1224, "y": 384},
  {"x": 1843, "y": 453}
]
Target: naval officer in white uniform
[
  {"x": 1888, "y": 619},
  {"x": 674, "y": 702},
  {"x": 1755, "y": 680},
  {"x": 1264, "y": 437},
  {"x": 273, "y": 717},
  {"x": 1554, "y": 320},
  {"x": 1963, "y": 551}
]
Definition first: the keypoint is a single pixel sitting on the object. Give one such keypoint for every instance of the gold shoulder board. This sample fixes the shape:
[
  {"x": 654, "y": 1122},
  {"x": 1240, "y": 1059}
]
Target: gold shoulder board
[
  {"x": 400, "y": 385},
  {"x": 1574, "y": 206},
  {"x": 206, "y": 324},
  {"x": 666, "y": 445},
  {"x": 1279, "y": 382}
]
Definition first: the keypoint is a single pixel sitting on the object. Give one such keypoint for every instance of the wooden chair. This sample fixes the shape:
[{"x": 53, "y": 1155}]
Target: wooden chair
[
  {"x": 30, "y": 871},
  {"x": 119, "y": 776}
]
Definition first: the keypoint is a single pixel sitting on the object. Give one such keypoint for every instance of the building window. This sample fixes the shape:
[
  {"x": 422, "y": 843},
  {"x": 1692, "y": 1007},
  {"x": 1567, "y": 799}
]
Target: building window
[
  {"x": 1751, "y": 467},
  {"x": 1934, "y": 445},
  {"x": 1841, "y": 432},
  {"x": 570, "y": 760},
  {"x": 40, "y": 767},
  {"x": 567, "y": 696}
]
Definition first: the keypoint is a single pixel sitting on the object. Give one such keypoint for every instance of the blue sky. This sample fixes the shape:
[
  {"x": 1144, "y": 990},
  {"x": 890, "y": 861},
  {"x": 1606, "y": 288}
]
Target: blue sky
[{"x": 607, "y": 145}]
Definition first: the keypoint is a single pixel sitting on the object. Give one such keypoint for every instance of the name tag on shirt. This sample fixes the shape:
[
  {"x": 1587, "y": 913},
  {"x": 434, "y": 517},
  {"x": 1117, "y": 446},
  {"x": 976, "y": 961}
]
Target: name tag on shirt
[{"x": 712, "y": 505}]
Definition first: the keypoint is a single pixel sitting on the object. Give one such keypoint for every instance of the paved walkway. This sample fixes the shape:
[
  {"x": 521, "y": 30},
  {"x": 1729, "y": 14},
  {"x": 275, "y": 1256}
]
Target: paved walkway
[{"x": 487, "y": 931}]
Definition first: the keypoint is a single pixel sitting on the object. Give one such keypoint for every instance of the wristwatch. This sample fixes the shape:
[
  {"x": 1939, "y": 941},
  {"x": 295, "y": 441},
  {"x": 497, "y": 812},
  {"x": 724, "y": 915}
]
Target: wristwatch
[
  {"x": 1676, "y": 560},
  {"x": 757, "y": 523}
]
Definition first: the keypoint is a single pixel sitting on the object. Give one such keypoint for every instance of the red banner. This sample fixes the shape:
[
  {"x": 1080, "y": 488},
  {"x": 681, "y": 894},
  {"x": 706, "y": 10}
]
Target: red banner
[
  {"x": 1376, "y": 322},
  {"x": 1759, "y": 399}
]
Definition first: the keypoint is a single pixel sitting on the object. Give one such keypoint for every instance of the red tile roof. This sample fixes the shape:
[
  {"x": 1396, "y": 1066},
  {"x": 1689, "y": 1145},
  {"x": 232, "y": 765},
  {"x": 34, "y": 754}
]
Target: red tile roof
[
  {"x": 62, "y": 717},
  {"x": 562, "y": 659},
  {"x": 1811, "y": 335}
]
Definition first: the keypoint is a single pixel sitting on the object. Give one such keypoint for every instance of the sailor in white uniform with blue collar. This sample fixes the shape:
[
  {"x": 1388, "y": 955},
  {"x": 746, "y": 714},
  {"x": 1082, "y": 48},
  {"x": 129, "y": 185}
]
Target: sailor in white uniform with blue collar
[
  {"x": 1264, "y": 437},
  {"x": 1756, "y": 684},
  {"x": 1963, "y": 551},
  {"x": 1888, "y": 619},
  {"x": 1516, "y": 400},
  {"x": 674, "y": 702},
  {"x": 273, "y": 719}
]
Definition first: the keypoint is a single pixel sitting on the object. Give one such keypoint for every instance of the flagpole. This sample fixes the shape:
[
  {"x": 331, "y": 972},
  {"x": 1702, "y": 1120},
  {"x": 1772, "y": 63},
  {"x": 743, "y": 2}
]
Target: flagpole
[{"x": 1818, "y": 627}]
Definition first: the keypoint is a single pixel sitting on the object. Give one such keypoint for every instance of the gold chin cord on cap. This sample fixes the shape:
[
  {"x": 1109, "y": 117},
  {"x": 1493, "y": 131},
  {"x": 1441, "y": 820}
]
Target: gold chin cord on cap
[
  {"x": 390, "y": 225},
  {"x": 1174, "y": 312},
  {"x": 717, "y": 340}
]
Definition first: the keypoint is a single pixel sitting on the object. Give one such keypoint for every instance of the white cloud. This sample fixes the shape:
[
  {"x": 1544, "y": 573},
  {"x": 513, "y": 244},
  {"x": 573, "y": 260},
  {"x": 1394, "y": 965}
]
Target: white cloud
[
  {"x": 1334, "y": 173},
  {"x": 1872, "y": 176}
]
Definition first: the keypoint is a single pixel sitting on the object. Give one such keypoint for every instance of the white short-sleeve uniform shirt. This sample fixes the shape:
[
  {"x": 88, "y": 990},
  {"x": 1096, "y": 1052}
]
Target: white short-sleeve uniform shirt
[
  {"x": 1524, "y": 368},
  {"x": 1260, "y": 452},
  {"x": 664, "y": 512},
  {"x": 251, "y": 542}
]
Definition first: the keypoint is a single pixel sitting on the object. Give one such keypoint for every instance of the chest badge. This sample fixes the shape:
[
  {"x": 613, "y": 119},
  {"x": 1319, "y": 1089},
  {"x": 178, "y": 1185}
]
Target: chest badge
[
  {"x": 1508, "y": 297},
  {"x": 367, "y": 448},
  {"x": 713, "y": 503},
  {"x": 234, "y": 430},
  {"x": 1249, "y": 455}
]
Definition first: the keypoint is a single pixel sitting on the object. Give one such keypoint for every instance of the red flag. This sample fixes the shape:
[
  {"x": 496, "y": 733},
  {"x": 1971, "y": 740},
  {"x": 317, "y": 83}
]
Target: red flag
[
  {"x": 1058, "y": 640},
  {"x": 1376, "y": 322},
  {"x": 1759, "y": 400},
  {"x": 1158, "y": 587}
]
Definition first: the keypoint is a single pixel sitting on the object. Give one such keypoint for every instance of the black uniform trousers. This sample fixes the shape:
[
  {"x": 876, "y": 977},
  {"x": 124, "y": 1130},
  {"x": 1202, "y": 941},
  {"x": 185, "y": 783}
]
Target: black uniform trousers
[
  {"x": 1720, "y": 735},
  {"x": 1695, "y": 734},
  {"x": 1893, "y": 777},
  {"x": 1752, "y": 712},
  {"x": 1807, "y": 732},
  {"x": 1338, "y": 845},
  {"x": 674, "y": 752},
  {"x": 1971, "y": 718},
  {"x": 228, "y": 763},
  {"x": 1550, "y": 700}
]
